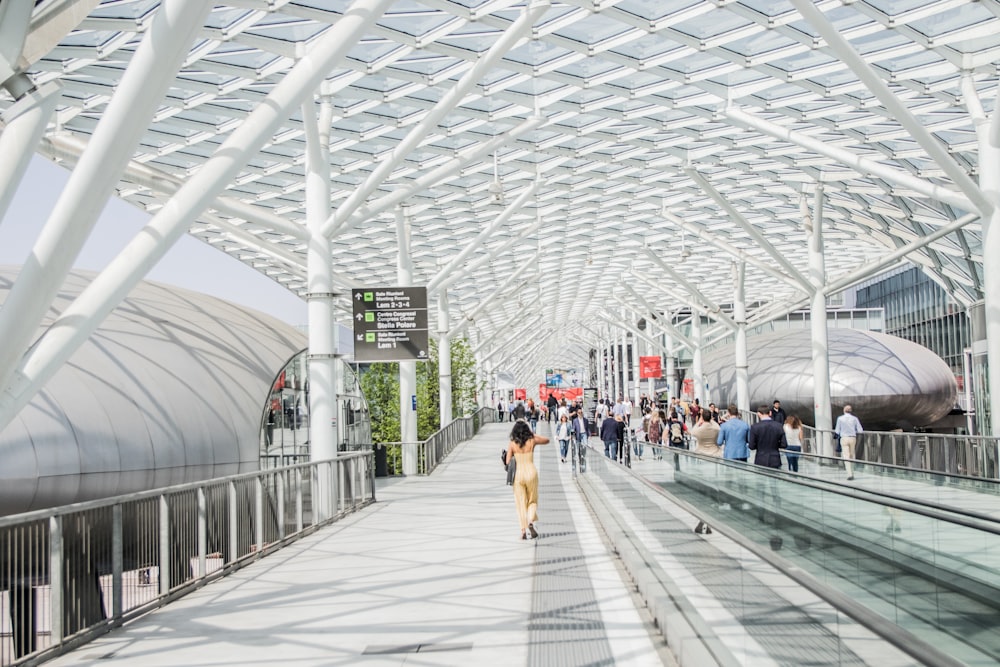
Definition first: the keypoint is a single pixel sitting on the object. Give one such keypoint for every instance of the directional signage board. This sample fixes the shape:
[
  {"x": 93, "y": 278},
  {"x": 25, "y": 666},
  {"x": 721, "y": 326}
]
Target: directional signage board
[{"x": 390, "y": 323}]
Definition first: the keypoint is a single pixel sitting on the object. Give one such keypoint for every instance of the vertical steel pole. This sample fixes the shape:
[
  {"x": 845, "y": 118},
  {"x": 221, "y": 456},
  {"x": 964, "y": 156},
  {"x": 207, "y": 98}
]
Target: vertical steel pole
[
  {"x": 56, "y": 588},
  {"x": 988, "y": 132},
  {"x": 823, "y": 410},
  {"x": 258, "y": 512},
  {"x": 740, "y": 317},
  {"x": 279, "y": 490},
  {"x": 164, "y": 545},
  {"x": 407, "y": 369},
  {"x": 697, "y": 371},
  {"x": 234, "y": 535},
  {"x": 444, "y": 358},
  {"x": 117, "y": 565},
  {"x": 202, "y": 533}
]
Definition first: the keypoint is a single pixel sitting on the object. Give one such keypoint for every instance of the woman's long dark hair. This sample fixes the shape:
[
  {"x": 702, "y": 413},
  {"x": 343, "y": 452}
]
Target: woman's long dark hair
[{"x": 521, "y": 433}]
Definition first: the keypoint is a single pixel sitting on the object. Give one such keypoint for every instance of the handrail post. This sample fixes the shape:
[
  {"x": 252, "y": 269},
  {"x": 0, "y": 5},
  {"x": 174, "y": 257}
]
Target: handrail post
[
  {"x": 298, "y": 500},
  {"x": 258, "y": 507},
  {"x": 202, "y": 533},
  {"x": 117, "y": 563},
  {"x": 164, "y": 545},
  {"x": 56, "y": 580},
  {"x": 279, "y": 490},
  {"x": 234, "y": 552}
]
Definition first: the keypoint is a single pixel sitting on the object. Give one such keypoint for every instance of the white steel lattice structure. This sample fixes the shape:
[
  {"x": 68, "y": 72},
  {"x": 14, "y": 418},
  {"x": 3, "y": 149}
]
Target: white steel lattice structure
[{"x": 540, "y": 154}]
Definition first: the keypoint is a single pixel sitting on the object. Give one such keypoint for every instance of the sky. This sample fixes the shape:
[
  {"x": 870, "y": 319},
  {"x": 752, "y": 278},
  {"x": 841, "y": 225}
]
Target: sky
[{"x": 190, "y": 263}]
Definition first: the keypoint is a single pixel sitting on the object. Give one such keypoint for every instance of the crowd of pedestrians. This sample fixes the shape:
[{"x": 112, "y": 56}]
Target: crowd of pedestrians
[{"x": 704, "y": 429}]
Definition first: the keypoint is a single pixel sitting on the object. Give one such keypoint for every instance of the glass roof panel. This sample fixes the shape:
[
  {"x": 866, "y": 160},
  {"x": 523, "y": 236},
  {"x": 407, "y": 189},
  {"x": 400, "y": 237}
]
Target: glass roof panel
[
  {"x": 712, "y": 24},
  {"x": 415, "y": 23},
  {"x": 650, "y": 46},
  {"x": 652, "y": 10},
  {"x": 954, "y": 19},
  {"x": 536, "y": 53},
  {"x": 760, "y": 43},
  {"x": 593, "y": 29}
]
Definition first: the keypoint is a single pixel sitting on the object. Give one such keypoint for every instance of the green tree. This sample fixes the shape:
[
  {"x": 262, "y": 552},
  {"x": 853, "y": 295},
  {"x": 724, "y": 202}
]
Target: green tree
[{"x": 380, "y": 383}]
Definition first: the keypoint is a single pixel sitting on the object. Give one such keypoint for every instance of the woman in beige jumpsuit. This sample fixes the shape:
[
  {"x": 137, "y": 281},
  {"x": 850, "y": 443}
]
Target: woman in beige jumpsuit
[{"x": 521, "y": 449}]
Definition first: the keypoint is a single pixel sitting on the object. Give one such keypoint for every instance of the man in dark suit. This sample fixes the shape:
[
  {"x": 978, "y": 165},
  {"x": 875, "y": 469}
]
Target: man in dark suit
[{"x": 766, "y": 438}]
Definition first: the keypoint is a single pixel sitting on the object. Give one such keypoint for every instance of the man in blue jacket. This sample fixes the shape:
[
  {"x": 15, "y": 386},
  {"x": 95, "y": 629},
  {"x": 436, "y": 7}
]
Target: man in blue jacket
[{"x": 733, "y": 436}]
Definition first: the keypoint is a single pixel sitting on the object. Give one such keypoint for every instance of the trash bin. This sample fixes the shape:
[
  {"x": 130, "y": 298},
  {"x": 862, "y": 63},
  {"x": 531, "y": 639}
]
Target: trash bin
[{"x": 381, "y": 461}]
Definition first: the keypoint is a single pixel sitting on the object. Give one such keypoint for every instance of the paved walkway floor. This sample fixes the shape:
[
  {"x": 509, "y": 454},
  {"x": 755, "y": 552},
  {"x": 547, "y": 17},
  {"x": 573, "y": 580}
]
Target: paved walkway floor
[{"x": 432, "y": 574}]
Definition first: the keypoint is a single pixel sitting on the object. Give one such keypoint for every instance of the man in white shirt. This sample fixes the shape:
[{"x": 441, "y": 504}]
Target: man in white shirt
[
  {"x": 627, "y": 410},
  {"x": 847, "y": 429}
]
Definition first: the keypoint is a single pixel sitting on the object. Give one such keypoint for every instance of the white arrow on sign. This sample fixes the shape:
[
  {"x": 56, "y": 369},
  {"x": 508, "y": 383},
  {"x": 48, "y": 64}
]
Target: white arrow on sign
[
  {"x": 359, "y": 317},
  {"x": 358, "y": 296},
  {"x": 361, "y": 337}
]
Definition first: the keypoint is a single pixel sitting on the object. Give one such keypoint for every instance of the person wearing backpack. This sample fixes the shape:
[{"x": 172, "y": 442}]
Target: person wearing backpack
[{"x": 675, "y": 432}]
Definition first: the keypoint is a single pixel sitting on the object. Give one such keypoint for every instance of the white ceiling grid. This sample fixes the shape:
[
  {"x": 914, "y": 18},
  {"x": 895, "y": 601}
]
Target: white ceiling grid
[{"x": 635, "y": 95}]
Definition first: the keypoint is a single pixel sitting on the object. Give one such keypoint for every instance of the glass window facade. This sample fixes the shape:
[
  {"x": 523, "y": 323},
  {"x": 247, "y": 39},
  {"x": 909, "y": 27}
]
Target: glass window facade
[{"x": 919, "y": 310}]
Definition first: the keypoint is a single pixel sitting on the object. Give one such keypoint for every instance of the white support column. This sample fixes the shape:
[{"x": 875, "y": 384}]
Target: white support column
[
  {"x": 740, "y": 316},
  {"x": 24, "y": 123},
  {"x": 601, "y": 376},
  {"x": 823, "y": 410},
  {"x": 623, "y": 366},
  {"x": 322, "y": 351},
  {"x": 671, "y": 366},
  {"x": 612, "y": 365},
  {"x": 146, "y": 79},
  {"x": 85, "y": 314},
  {"x": 989, "y": 180},
  {"x": 444, "y": 359},
  {"x": 636, "y": 382},
  {"x": 697, "y": 372},
  {"x": 407, "y": 369}
]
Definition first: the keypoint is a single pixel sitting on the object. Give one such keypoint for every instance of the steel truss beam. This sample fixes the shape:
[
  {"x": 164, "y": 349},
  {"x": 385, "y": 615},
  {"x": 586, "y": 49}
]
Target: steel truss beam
[
  {"x": 843, "y": 50},
  {"x": 861, "y": 165},
  {"x": 145, "y": 81},
  {"x": 747, "y": 226},
  {"x": 455, "y": 95},
  {"x": 85, "y": 314}
]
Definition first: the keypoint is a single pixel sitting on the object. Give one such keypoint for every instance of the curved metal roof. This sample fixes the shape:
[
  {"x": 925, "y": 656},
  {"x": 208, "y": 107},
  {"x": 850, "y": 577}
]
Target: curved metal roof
[{"x": 692, "y": 132}]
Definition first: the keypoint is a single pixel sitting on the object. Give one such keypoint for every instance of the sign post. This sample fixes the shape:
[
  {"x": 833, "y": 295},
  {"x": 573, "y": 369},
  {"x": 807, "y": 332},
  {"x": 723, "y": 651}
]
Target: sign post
[{"x": 390, "y": 324}]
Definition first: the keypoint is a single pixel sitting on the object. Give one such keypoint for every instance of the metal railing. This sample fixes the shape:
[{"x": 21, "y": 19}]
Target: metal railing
[
  {"x": 72, "y": 573},
  {"x": 970, "y": 455},
  {"x": 433, "y": 450}
]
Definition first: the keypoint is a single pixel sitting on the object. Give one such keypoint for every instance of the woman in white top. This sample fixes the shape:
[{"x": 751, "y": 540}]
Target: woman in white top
[
  {"x": 793, "y": 434},
  {"x": 563, "y": 434}
]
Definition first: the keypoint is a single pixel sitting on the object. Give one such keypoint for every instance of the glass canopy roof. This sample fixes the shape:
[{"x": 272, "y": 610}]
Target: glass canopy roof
[{"x": 676, "y": 132}]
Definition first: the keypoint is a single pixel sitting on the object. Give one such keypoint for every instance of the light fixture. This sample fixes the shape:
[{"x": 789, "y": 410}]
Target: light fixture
[{"x": 496, "y": 187}]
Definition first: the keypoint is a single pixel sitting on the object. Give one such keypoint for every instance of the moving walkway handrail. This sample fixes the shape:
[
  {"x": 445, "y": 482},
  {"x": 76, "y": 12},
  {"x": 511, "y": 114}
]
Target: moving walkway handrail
[
  {"x": 991, "y": 525},
  {"x": 905, "y": 641}
]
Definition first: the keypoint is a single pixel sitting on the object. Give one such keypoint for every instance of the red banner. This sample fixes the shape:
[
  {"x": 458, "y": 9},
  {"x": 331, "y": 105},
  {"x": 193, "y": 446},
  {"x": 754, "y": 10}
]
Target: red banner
[
  {"x": 571, "y": 394},
  {"x": 649, "y": 367},
  {"x": 520, "y": 394}
]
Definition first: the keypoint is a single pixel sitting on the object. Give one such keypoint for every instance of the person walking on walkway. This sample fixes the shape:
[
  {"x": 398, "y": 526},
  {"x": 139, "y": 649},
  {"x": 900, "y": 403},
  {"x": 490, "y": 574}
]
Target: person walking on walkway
[
  {"x": 793, "y": 434},
  {"x": 847, "y": 429},
  {"x": 705, "y": 433},
  {"x": 563, "y": 434},
  {"x": 500, "y": 410},
  {"x": 766, "y": 438},
  {"x": 521, "y": 449},
  {"x": 733, "y": 437},
  {"x": 609, "y": 435}
]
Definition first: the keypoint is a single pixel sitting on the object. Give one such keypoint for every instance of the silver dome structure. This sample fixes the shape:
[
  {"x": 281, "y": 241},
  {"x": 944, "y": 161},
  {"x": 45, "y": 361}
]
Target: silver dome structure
[
  {"x": 889, "y": 381},
  {"x": 170, "y": 388}
]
